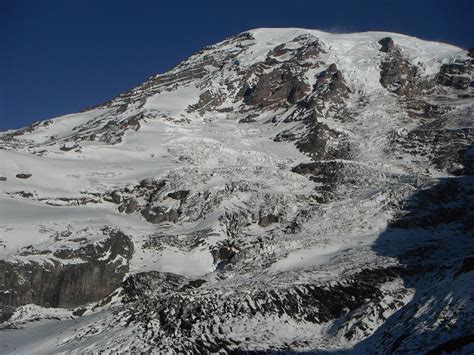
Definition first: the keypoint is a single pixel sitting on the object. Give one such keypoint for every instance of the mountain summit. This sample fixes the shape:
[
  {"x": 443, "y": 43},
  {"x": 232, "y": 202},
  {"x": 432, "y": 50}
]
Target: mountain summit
[{"x": 282, "y": 190}]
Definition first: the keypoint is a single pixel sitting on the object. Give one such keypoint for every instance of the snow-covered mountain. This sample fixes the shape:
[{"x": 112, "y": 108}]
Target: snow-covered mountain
[{"x": 285, "y": 189}]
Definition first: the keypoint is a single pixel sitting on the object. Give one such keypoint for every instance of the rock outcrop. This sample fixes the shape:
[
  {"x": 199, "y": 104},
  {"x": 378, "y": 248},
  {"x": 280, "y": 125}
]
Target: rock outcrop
[
  {"x": 69, "y": 278},
  {"x": 398, "y": 75}
]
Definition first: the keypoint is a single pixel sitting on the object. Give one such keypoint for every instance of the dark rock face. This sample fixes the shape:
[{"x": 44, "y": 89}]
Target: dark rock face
[
  {"x": 276, "y": 88},
  {"x": 455, "y": 68},
  {"x": 445, "y": 147},
  {"x": 317, "y": 143},
  {"x": 328, "y": 91},
  {"x": 101, "y": 270},
  {"x": 387, "y": 44},
  {"x": 266, "y": 220},
  {"x": 456, "y": 82},
  {"x": 327, "y": 96},
  {"x": 284, "y": 83},
  {"x": 457, "y": 75},
  {"x": 3, "y": 178},
  {"x": 151, "y": 184},
  {"x": 179, "y": 195},
  {"x": 223, "y": 255},
  {"x": 311, "y": 48},
  {"x": 129, "y": 206},
  {"x": 398, "y": 75},
  {"x": 116, "y": 196},
  {"x": 208, "y": 100}
]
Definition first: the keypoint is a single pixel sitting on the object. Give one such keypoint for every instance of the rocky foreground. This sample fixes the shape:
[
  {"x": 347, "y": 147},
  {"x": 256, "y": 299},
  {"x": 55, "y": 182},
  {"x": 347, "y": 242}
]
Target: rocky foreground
[{"x": 284, "y": 190}]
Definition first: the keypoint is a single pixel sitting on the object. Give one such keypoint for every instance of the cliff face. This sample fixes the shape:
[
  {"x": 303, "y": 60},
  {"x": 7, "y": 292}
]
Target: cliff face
[
  {"x": 66, "y": 278},
  {"x": 285, "y": 189}
]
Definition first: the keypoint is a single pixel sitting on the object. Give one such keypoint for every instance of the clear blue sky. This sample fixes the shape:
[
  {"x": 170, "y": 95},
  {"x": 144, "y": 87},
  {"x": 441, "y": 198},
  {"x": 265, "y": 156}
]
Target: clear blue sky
[{"x": 59, "y": 56}]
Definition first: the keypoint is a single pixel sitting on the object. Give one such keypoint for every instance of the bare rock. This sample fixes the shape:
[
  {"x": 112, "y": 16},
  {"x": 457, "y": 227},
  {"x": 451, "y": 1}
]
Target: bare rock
[
  {"x": 223, "y": 255},
  {"x": 208, "y": 101},
  {"x": 129, "y": 206},
  {"x": 152, "y": 184},
  {"x": 387, "y": 44},
  {"x": 318, "y": 143},
  {"x": 266, "y": 220},
  {"x": 328, "y": 91},
  {"x": 398, "y": 75},
  {"x": 160, "y": 214},
  {"x": 276, "y": 88},
  {"x": 454, "y": 68},
  {"x": 456, "y": 82},
  {"x": 116, "y": 196},
  {"x": 179, "y": 195},
  {"x": 65, "y": 148},
  {"x": 66, "y": 284}
]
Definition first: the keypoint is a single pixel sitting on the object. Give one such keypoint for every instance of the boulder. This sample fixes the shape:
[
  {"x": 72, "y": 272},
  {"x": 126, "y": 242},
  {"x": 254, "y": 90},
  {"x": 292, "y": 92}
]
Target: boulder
[
  {"x": 116, "y": 196},
  {"x": 129, "y": 206},
  {"x": 132, "y": 206},
  {"x": 179, "y": 195}
]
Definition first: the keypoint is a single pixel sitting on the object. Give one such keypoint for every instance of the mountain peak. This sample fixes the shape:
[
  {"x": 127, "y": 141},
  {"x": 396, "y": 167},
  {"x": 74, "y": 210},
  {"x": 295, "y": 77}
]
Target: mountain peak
[{"x": 307, "y": 189}]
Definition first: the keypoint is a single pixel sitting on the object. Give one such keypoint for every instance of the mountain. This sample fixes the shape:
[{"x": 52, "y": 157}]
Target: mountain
[{"x": 283, "y": 190}]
